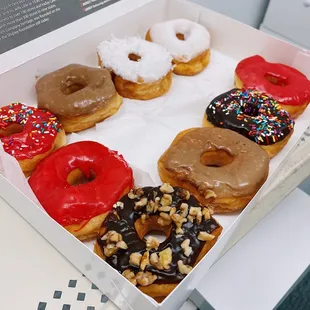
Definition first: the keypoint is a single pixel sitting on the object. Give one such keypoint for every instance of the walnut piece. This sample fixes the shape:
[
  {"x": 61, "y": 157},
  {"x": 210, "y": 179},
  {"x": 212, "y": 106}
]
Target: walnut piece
[
  {"x": 206, "y": 213},
  {"x": 184, "y": 194},
  {"x": 209, "y": 194},
  {"x": 163, "y": 222},
  {"x": 184, "y": 209},
  {"x": 130, "y": 276},
  {"x": 186, "y": 248},
  {"x": 135, "y": 259},
  {"x": 122, "y": 245},
  {"x": 164, "y": 209},
  {"x": 184, "y": 269},
  {"x": 145, "y": 278},
  {"x": 196, "y": 213},
  {"x": 152, "y": 243},
  {"x": 112, "y": 237},
  {"x": 141, "y": 203},
  {"x": 144, "y": 217},
  {"x": 110, "y": 250},
  {"x": 178, "y": 220},
  {"x": 165, "y": 216},
  {"x": 204, "y": 236},
  {"x": 135, "y": 193},
  {"x": 166, "y": 188},
  {"x": 165, "y": 258},
  {"x": 145, "y": 260},
  {"x": 119, "y": 204},
  {"x": 154, "y": 260},
  {"x": 166, "y": 200},
  {"x": 172, "y": 211}
]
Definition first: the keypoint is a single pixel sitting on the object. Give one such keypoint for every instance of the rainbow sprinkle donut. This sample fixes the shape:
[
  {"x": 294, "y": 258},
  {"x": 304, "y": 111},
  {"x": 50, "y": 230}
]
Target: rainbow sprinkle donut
[{"x": 252, "y": 114}]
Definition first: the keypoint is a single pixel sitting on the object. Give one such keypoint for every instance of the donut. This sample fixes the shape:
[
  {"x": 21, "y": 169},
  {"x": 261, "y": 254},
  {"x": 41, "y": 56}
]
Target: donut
[
  {"x": 252, "y": 114},
  {"x": 156, "y": 268},
  {"x": 187, "y": 41},
  {"x": 29, "y": 134},
  {"x": 79, "y": 96},
  {"x": 285, "y": 84},
  {"x": 78, "y": 184},
  {"x": 141, "y": 70},
  {"x": 222, "y": 168}
]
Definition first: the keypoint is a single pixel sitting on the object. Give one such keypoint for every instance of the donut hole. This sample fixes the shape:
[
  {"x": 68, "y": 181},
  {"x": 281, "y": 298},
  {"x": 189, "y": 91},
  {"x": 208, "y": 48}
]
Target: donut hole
[
  {"x": 180, "y": 36},
  {"x": 11, "y": 130},
  {"x": 134, "y": 57},
  {"x": 150, "y": 227},
  {"x": 218, "y": 158},
  {"x": 72, "y": 85},
  {"x": 77, "y": 177},
  {"x": 275, "y": 79}
]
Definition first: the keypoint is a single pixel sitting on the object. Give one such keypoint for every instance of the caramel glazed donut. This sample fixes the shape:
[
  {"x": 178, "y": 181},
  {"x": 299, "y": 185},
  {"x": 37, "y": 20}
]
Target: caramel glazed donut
[
  {"x": 79, "y": 96},
  {"x": 141, "y": 70},
  {"x": 187, "y": 41},
  {"x": 223, "y": 169},
  {"x": 156, "y": 267}
]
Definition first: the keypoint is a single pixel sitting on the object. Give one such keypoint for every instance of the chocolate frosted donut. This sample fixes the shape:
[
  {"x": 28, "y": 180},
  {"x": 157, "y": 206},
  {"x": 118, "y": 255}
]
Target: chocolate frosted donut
[
  {"x": 252, "y": 114},
  {"x": 223, "y": 169},
  {"x": 157, "y": 267},
  {"x": 79, "y": 96}
]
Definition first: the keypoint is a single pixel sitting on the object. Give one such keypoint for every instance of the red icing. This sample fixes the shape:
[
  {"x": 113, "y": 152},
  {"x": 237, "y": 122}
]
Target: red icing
[
  {"x": 40, "y": 129},
  {"x": 69, "y": 204},
  {"x": 293, "y": 88}
]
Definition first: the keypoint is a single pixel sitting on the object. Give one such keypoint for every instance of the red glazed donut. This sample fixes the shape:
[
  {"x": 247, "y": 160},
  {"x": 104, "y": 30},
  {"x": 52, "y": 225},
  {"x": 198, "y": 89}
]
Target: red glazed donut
[
  {"x": 285, "y": 84},
  {"x": 78, "y": 184},
  {"x": 29, "y": 134}
]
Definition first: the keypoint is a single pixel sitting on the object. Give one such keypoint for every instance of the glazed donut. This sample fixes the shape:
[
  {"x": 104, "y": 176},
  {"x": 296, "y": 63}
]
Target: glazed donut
[
  {"x": 285, "y": 84},
  {"x": 223, "y": 169},
  {"x": 252, "y": 114},
  {"x": 187, "y": 41},
  {"x": 29, "y": 134},
  {"x": 79, "y": 96},
  {"x": 79, "y": 183},
  {"x": 141, "y": 69},
  {"x": 156, "y": 268}
]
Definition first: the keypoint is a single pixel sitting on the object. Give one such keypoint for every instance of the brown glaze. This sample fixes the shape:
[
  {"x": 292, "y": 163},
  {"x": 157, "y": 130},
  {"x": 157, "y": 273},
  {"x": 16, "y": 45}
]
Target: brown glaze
[
  {"x": 245, "y": 169},
  {"x": 75, "y": 90}
]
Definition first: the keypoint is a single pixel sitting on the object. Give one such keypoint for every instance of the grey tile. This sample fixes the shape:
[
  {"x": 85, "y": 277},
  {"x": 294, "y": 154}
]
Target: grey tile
[
  {"x": 66, "y": 307},
  {"x": 42, "y": 305},
  {"x": 72, "y": 283},
  {"x": 57, "y": 294},
  {"x": 81, "y": 296},
  {"x": 104, "y": 298}
]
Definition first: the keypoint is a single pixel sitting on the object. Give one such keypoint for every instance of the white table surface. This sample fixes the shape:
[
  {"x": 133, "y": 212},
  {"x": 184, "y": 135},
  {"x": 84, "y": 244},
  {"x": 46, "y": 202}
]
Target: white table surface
[{"x": 255, "y": 274}]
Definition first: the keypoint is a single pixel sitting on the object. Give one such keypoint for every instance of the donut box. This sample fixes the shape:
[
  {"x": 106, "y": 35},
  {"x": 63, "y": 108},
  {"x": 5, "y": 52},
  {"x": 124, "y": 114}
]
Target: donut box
[{"x": 142, "y": 131}]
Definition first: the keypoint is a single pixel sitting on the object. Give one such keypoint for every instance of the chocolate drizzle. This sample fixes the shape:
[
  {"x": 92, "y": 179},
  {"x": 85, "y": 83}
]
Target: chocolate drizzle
[
  {"x": 252, "y": 114},
  {"x": 122, "y": 221}
]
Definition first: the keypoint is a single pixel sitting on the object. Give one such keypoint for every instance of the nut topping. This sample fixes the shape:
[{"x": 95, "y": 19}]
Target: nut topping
[
  {"x": 166, "y": 200},
  {"x": 204, "y": 236},
  {"x": 209, "y": 194},
  {"x": 166, "y": 188},
  {"x": 145, "y": 278},
  {"x": 186, "y": 248},
  {"x": 141, "y": 203},
  {"x": 110, "y": 250},
  {"x": 184, "y": 194},
  {"x": 130, "y": 276},
  {"x": 119, "y": 204},
  {"x": 179, "y": 231},
  {"x": 112, "y": 236},
  {"x": 165, "y": 216},
  {"x": 184, "y": 269},
  {"x": 206, "y": 214},
  {"x": 135, "y": 259},
  {"x": 164, "y": 209},
  {"x": 144, "y": 217},
  {"x": 196, "y": 213},
  {"x": 154, "y": 260},
  {"x": 178, "y": 220},
  {"x": 165, "y": 258},
  {"x": 152, "y": 243},
  {"x": 122, "y": 245},
  {"x": 184, "y": 209},
  {"x": 172, "y": 211},
  {"x": 145, "y": 260},
  {"x": 163, "y": 222}
]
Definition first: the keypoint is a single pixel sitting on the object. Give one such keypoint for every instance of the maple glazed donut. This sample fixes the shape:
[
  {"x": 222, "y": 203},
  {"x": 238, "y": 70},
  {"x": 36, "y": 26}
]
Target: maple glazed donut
[
  {"x": 141, "y": 70},
  {"x": 29, "y": 134},
  {"x": 79, "y": 96},
  {"x": 78, "y": 184},
  {"x": 222, "y": 168},
  {"x": 286, "y": 85},
  {"x": 252, "y": 114},
  {"x": 156, "y": 268},
  {"x": 187, "y": 41}
]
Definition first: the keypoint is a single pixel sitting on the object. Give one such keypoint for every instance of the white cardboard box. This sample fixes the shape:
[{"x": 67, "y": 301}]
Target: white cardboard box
[{"x": 231, "y": 41}]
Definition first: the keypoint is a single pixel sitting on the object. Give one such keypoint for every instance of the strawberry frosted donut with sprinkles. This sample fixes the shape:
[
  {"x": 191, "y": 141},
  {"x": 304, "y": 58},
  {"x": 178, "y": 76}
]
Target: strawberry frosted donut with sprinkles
[
  {"x": 29, "y": 134},
  {"x": 140, "y": 69},
  {"x": 253, "y": 114}
]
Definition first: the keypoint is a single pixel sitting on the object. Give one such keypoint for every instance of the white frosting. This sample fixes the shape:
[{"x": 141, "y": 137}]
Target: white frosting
[
  {"x": 196, "y": 38},
  {"x": 155, "y": 62}
]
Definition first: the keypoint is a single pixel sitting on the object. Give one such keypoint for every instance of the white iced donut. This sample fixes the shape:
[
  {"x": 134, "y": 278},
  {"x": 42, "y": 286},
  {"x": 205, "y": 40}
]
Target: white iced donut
[
  {"x": 188, "y": 43},
  {"x": 141, "y": 69}
]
